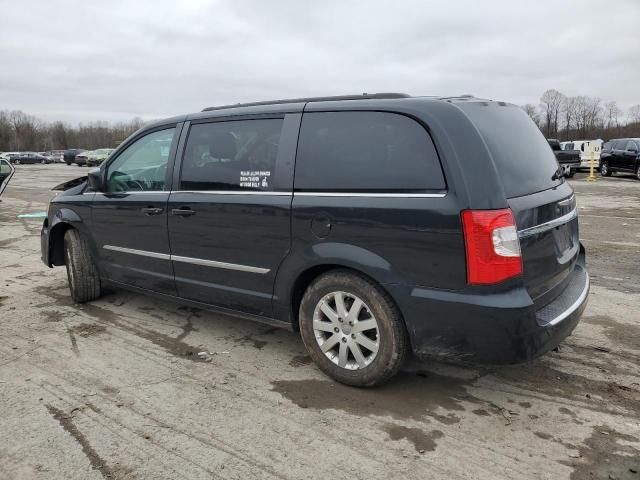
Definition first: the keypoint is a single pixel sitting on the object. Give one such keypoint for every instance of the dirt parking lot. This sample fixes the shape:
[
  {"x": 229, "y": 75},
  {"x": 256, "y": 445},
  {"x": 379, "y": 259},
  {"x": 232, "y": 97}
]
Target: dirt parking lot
[{"x": 129, "y": 387}]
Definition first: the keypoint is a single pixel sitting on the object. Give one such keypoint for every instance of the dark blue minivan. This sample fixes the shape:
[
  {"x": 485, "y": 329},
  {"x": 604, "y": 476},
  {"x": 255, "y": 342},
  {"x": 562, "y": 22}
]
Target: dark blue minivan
[{"x": 375, "y": 225}]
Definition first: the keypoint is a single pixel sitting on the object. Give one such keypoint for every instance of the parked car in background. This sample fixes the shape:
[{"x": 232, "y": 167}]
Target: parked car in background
[
  {"x": 621, "y": 155},
  {"x": 586, "y": 147},
  {"x": 82, "y": 158},
  {"x": 28, "y": 158},
  {"x": 6, "y": 171},
  {"x": 569, "y": 160},
  {"x": 96, "y": 157},
  {"x": 70, "y": 155},
  {"x": 56, "y": 156},
  {"x": 376, "y": 225}
]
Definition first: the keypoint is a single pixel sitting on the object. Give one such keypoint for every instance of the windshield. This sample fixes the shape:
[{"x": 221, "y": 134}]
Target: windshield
[{"x": 522, "y": 156}]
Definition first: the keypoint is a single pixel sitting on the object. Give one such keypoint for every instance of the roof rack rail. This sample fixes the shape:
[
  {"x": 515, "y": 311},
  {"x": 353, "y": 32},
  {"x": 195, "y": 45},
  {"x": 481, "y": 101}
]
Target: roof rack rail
[{"x": 364, "y": 96}]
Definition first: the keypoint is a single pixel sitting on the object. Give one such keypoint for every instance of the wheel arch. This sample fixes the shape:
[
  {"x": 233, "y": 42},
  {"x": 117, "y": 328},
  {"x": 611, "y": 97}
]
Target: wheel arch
[
  {"x": 56, "y": 243},
  {"x": 305, "y": 278}
]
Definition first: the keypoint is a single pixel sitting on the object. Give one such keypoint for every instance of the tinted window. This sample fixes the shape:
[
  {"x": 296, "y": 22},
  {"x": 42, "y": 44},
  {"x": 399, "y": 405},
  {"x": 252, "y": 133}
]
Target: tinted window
[
  {"x": 231, "y": 155},
  {"x": 365, "y": 152},
  {"x": 619, "y": 144},
  {"x": 631, "y": 146},
  {"x": 554, "y": 144},
  {"x": 520, "y": 152},
  {"x": 142, "y": 166}
]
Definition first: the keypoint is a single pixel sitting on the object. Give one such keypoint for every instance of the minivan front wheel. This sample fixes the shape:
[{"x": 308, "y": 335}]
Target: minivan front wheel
[
  {"x": 82, "y": 272},
  {"x": 352, "y": 329}
]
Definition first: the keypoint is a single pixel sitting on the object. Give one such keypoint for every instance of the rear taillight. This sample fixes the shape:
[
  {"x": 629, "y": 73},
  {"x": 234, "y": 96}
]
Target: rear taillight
[{"x": 492, "y": 246}]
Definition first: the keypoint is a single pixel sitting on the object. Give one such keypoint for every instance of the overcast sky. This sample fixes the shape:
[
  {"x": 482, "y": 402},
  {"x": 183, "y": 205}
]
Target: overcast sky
[{"x": 80, "y": 60}]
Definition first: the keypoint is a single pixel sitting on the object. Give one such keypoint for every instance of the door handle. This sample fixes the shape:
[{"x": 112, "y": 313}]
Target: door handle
[
  {"x": 152, "y": 211},
  {"x": 183, "y": 212}
]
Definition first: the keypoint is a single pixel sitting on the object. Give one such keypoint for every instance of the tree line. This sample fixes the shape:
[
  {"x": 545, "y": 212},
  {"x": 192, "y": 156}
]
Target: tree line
[
  {"x": 20, "y": 131},
  {"x": 557, "y": 116},
  {"x": 582, "y": 118}
]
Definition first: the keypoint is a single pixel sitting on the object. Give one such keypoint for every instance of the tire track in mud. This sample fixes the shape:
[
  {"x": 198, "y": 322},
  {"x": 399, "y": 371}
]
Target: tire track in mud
[
  {"x": 110, "y": 420},
  {"x": 203, "y": 435},
  {"x": 66, "y": 422},
  {"x": 142, "y": 455}
]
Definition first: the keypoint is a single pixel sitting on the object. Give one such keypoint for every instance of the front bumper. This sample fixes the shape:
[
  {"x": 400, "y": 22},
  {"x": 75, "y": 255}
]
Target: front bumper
[
  {"x": 492, "y": 328},
  {"x": 44, "y": 242}
]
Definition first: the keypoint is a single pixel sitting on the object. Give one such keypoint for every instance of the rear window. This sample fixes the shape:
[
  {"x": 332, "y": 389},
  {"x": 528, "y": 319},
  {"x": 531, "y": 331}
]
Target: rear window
[
  {"x": 522, "y": 156},
  {"x": 366, "y": 152},
  {"x": 231, "y": 155}
]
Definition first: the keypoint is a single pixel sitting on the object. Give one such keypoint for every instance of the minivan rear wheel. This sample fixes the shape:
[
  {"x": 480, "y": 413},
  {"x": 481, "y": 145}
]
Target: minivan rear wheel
[
  {"x": 604, "y": 169},
  {"x": 352, "y": 329},
  {"x": 82, "y": 272}
]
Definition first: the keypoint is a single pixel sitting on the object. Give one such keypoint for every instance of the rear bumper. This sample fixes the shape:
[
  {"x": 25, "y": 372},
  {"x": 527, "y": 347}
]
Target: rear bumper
[{"x": 495, "y": 328}]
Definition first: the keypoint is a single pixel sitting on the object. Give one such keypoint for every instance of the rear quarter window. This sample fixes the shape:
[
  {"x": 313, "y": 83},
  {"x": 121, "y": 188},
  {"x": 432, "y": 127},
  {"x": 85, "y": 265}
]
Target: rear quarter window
[
  {"x": 523, "y": 158},
  {"x": 366, "y": 152}
]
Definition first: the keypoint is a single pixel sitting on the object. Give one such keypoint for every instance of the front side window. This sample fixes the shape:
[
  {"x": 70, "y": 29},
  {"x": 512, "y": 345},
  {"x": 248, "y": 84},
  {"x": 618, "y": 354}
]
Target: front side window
[
  {"x": 142, "y": 166},
  {"x": 231, "y": 155},
  {"x": 356, "y": 152}
]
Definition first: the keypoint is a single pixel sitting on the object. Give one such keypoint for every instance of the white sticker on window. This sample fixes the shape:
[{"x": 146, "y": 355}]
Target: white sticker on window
[{"x": 254, "y": 178}]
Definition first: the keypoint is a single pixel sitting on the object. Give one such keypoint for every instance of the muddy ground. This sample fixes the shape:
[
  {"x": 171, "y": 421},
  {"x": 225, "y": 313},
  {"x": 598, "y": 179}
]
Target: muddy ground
[{"x": 117, "y": 388}]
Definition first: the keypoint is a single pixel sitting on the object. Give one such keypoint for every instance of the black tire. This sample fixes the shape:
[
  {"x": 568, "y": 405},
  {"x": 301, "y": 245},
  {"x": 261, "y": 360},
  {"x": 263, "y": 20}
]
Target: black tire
[
  {"x": 82, "y": 272},
  {"x": 17, "y": 162},
  {"x": 638, "y": 172},
  {"x": 605, "y": 171},
  {"x": 394, "y": 347},
  {"x": 572, "y": 172}
]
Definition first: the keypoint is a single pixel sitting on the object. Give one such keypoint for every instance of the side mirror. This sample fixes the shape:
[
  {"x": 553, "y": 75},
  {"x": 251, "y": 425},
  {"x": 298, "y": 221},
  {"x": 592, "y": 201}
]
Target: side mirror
[{"x": 96, "y": 180}]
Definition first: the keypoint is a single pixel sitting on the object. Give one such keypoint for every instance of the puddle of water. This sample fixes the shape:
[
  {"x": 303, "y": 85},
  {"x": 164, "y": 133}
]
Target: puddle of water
[
  {"x": 406, "y": 396},
  {"x": 422, "y": 441}
]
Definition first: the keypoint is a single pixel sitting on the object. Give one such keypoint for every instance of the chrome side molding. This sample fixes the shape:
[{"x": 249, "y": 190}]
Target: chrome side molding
[{"x": 194, "y": 261}]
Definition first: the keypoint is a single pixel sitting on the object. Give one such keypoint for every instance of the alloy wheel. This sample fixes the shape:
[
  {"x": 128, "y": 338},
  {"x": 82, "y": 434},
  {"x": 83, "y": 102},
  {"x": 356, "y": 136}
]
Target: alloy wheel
[{"x": 346, "y": 330}]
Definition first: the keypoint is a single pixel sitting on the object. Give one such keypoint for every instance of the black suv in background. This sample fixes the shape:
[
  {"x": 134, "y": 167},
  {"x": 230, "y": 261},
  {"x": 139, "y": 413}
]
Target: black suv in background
[
  {"x": 620, "y": 155},
  {"x": 569, "y": 160},
  {"x": 69, "y": 156},
  {"x": 376, "y": 225}
]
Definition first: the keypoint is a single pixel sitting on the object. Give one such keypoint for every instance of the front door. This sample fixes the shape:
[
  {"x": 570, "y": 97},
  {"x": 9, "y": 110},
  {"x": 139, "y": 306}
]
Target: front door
[
  {"x": 229, "y": 217},
  {"x": 617, "y": 154},
  {"x": 129, "y": 219},
  {"x": 629, "y": 156}
]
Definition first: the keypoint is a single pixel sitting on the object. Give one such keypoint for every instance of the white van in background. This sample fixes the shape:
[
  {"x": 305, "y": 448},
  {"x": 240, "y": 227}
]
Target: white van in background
[{"x": 585, "y": 147}]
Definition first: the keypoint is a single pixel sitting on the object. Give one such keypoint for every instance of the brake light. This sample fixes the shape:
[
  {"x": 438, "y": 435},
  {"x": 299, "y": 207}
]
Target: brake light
[{"x": 492, "y": 246}]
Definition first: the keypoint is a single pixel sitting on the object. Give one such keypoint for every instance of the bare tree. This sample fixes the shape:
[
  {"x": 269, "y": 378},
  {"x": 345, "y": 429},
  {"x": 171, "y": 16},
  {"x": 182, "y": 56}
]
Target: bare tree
[
  {"x": 611, "y": 112},
  {"x": 6, "y": 132},
  {"x": 569, "y": 111},
  {"x": 634, "y": 114},
  {"x": 532, "y": 111},
  {"x": 25, "y": 128},
  {"x": 551, "y": 103}
]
